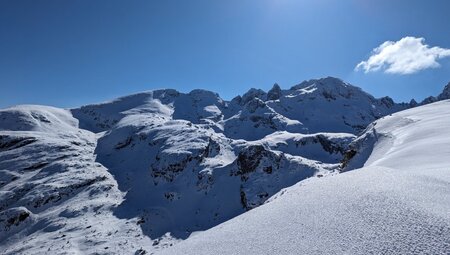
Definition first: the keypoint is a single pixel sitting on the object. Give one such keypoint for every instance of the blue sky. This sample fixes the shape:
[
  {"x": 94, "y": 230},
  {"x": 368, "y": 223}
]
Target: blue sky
[{"x": 69, "y": 53}]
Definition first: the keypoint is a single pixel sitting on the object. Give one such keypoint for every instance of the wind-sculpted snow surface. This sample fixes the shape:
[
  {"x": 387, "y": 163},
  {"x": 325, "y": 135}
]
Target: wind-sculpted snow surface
[
  {"x": 144, "y": 172},
  {"x": 54, "y": 197},
  {"x": 398, "y": 203}
]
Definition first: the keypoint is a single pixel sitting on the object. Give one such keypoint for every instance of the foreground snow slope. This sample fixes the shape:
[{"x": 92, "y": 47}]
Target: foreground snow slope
[
  {"x": 54, "y": 197},
  {"x": 399, "y": 202}
]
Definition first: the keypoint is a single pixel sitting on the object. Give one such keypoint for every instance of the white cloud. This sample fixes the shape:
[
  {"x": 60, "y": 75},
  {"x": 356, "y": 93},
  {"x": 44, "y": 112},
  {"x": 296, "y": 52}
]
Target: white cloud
[{"x": 406, "y": 56}]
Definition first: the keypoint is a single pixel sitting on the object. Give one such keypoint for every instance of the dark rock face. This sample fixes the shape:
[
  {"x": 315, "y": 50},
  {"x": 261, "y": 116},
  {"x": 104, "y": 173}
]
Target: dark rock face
[
  {"x": 347, "y": 157},
  {"x": 237, "y": 100},
  {"x": 124, "y": 143},
  {"x": 274, "y": 93},
  {"x": 244, "y": 200},
  {"x": 413, "y": 103},
  {"x": 252, "y": 94},
  {"x": 171, "y": 170},
  {"x": 264, "y": 172},
  {"x": 249, "y": 159},
  {"x": 254, "y": 104},
  {"x": 445, "y": 93},
  {"x": 387, "y": 101},
  {"x": 329, "y": 146},
  {"x": 360, "y": 149},
  {"x": 13, "y": 217},
  {"x": 9, "y": 142},
  {"x": 328, "y": 95},
  {"x": 429, "y": 100},
  {"x": 212, "y": 149}
]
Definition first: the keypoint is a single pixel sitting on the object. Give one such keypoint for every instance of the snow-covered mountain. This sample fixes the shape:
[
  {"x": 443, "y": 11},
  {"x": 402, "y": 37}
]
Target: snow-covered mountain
[
  {"x": 398, "y": 203},
  {"x": 300, "y": 109},
  {"x": 146, "y": 171}
]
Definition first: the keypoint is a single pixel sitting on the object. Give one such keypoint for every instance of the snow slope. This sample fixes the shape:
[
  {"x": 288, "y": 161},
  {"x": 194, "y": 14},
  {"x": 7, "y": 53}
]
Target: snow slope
[
  {"x": 398, "y": 203},
  {"x": 54, "y": 197}
]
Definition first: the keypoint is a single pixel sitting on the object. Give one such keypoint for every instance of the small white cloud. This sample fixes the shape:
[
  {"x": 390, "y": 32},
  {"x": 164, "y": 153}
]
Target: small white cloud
[{"x": 406, "y": 56}]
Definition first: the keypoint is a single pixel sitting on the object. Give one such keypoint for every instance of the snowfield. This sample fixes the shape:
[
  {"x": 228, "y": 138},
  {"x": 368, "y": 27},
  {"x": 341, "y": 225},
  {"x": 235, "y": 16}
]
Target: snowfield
[
  {"x": 54, "y": 197},
  {"x": 398, "y": 203},
  {"x": 320, "y": 168}
]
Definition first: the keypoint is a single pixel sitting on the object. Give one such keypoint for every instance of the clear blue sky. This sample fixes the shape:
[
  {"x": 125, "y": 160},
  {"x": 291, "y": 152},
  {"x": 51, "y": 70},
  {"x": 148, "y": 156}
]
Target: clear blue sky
[{"x": 69, "y": 53}]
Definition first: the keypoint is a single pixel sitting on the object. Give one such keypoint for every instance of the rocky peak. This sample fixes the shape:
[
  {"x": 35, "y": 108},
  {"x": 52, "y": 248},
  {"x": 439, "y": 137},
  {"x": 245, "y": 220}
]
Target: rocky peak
[
  {"x": 445, "y": 93},
  {"x": 387, "y": 101},
  {"x": 274, "y": 93},
  {"x": 429, "y": 100},
  {"x": 413, "y": 103},
  {"x": 236, "y": 100},
  {"x": 251, "y": 94}
]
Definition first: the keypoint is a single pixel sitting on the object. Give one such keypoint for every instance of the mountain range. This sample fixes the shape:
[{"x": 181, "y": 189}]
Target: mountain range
[{"x": 191, "y": 173}]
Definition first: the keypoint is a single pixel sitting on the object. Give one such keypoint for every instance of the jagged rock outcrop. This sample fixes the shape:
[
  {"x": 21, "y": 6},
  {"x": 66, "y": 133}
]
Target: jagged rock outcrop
[
  {"x": 274, "y": 93},
  {"x": 429, "y": 100},
  {"x": 264, "y": 172},
  {"x": 413, "y": 103},
  {"x": 445, "y": 94},
  {"x": 252, "y": 94}
]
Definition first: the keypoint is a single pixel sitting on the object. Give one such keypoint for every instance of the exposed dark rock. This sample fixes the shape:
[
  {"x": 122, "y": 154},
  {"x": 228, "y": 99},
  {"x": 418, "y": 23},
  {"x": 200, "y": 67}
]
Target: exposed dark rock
[
  {"x": 445, "y": 93},
  {"x": 255, "y": 103},
  {"x": 140, "y": 252},
  {"x": 170, "y": 171},
  {"x": 237, "y": 100},
  {"x": 124, "y": 144},
  {"x": 274, "y": 93},
  {"x": 429, "y": 100},
  {"x": 36, "y": 166},
  {"x": 329, "y": 146},
  {"x": 387, "y": 101},
  {"x": 40, "y": 117},
  {"x": 347, "y": 157},
  {"x": 249, "y": 159},
  {"x": 268, "y": 169},
  {"x": 244, "y": 200},
  {"x": 205, "y": 180},
  {"x": 13, "y": 217},
  {"x": 328, "y": 95},
  {"x": 9, "y": 142},
  {"x": 413, "y": 103},
  {"x": 252, "y": 94},
  {"x": 212, "y": 149}
]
